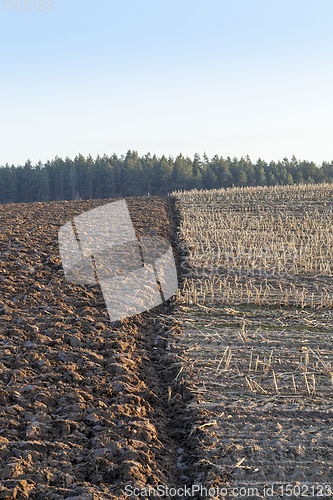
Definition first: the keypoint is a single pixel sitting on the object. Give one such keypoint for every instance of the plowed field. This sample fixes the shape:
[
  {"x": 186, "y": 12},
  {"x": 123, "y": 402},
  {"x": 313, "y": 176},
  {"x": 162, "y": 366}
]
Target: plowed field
[{"x": 84, "y": 407}]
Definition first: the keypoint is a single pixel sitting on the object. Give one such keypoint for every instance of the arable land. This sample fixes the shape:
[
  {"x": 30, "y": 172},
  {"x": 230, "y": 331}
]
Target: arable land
[{"x": 228, "y": 385}]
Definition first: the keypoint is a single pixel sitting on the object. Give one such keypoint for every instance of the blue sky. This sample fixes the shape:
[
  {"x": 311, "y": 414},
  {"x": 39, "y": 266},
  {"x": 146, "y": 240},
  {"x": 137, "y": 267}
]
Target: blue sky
[{"x": 231, "y": 78}]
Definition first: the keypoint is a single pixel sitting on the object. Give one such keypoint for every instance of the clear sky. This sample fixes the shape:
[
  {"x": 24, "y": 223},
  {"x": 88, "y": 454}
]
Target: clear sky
[{"x": 226, "y": 77}]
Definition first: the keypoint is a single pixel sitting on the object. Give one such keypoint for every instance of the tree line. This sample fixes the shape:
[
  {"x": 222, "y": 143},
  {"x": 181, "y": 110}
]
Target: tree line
[{"x": 132, "y": 175}]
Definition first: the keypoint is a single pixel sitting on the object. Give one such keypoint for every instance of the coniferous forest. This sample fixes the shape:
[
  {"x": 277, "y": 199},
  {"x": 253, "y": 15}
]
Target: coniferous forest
[{"x": 132, "y": 175}]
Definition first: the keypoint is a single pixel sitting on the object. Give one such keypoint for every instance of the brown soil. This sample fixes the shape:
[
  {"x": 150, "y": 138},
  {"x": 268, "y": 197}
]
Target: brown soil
[{"x": 85, "y": 407}]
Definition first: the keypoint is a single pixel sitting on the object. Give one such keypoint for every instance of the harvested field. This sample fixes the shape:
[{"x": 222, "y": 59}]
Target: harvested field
[
  {"x": 256, "y": 337},
  {"x": 83, "y": 405},
  {"x": 267, "y": 246}
]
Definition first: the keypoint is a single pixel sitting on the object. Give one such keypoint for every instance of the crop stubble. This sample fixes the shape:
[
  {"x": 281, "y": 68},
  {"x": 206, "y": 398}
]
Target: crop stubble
[{"x": 256, "y": 332}]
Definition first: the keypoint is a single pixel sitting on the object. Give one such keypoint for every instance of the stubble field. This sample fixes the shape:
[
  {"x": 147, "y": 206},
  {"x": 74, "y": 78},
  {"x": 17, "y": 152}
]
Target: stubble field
[{"x": 256, "y": 319}]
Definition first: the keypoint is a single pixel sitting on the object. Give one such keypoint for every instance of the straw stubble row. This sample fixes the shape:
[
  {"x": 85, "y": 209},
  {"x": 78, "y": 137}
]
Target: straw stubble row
[{"x": 258, "y": 246}]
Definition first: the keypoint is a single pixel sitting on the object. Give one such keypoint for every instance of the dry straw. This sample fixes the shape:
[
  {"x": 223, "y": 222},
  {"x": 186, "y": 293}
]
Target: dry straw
[{"x": 257, "y": 245}]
